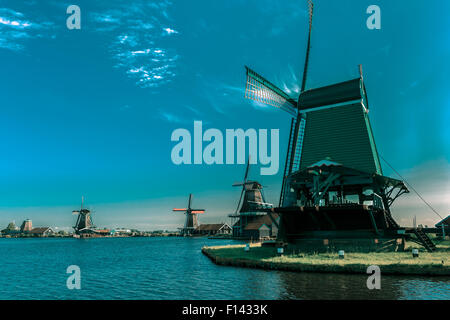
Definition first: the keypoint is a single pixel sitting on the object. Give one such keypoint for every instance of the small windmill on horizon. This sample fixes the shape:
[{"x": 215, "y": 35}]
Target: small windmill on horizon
[
  {"x": 251, "y": 194},
  {"x": 191, "y": 222},
  {"x": 253, "y": 204},
  {"x": 84, "y": 219}
]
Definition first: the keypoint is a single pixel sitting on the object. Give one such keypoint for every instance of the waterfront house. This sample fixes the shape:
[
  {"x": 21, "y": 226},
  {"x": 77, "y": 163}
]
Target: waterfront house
[
  {"x": 261, "y": 227},
  {"x": 41, "y": 232},
  {"x": 213, "y": 229}
]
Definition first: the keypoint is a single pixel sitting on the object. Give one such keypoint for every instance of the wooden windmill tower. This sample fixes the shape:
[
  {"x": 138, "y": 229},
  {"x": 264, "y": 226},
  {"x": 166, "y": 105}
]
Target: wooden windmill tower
[
  {"x": 84, "y": 220},
  {"x": 191, "y": 222},
  {"x": 333, "y": 185},
  {"x": 253, "y": 204}
]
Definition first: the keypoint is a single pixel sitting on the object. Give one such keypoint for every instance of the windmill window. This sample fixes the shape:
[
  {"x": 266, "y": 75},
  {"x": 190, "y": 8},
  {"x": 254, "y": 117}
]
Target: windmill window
[
  {"x": 333, "y": 197},
  {"x": 351, "y": 198}
]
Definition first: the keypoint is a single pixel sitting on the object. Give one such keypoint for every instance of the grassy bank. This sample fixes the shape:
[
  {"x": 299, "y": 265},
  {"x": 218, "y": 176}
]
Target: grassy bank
[{"x": 400, "y": 263}]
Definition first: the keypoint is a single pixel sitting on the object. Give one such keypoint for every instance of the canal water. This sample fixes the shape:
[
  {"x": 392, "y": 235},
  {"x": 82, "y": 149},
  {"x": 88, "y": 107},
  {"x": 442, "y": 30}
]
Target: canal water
[{"x": 174, "y": 268}]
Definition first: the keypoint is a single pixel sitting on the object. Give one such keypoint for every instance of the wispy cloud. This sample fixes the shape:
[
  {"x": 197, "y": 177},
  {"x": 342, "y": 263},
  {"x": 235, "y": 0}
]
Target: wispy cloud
[
  {"x": 218, "y": 94},
  {"x": 282, "y": 13},
  {"x": 169, "y": 30},
  {"x": 289, "y": 82},
  {"x": 170, "y": 117},
  {"x": 193, "y": 110},
  {"x": 187, "y": 115},
  {"x": 137, "y": 30},
  {"x": 15, "y": 28}
]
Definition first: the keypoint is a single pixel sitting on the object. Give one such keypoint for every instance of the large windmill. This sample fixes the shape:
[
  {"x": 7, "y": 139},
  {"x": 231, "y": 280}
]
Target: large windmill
[
  {"x": 333, "y": 186},
  {"x": 261, "y": 90},
  {"x": 253, "y": 204},
  {"x": 84, "y": 220},
  {"x": 191, "y": 222}
]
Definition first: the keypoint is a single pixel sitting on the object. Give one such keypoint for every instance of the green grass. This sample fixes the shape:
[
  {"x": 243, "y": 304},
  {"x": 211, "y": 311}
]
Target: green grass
[{"x": 436, "y": 263}]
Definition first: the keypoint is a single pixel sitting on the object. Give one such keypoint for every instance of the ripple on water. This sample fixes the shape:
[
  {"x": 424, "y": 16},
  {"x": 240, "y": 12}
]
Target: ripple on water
[{"x": 174, "y": 268}]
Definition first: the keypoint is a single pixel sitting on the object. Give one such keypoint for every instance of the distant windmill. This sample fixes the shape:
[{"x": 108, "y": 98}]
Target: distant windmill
[
  {"x": 251, "y": 193},
  {"x": 191, "y": 222},
  {"x": 263, "y": 91},
  {"x": 253, "y": 203},
  {"x": 84, "y": 220}
]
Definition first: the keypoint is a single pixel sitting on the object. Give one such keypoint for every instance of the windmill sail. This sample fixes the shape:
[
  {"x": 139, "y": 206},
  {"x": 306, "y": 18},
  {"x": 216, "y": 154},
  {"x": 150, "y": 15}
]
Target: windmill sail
[
  {"x": 263, "y": 91},
  {"x": 260, "y": 90},
  {"x": 243, "y": 184},
  {"x": 308, "y": 46}
]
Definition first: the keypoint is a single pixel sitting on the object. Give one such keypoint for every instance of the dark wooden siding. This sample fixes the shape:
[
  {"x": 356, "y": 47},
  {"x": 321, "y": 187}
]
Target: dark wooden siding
[{"x": 342, "y": 134}]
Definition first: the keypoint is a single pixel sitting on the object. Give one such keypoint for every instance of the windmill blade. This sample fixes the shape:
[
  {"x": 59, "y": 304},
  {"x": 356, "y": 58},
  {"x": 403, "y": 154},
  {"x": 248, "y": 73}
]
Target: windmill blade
[
  {"x": 179, "y": 209},
  {"x": 237, "y": 184},
  {"x": 310, "y": 11},
  {"x": 308, "y": 47},
  {"x": 190, "y": 199},
  {"x": 78, "y": 221},
  {"x": 240, "y": 199},
  {"x": 247, "y": 170},
  {"x": 89, "y": 222},
  {"x": 75, "y": 212},
  {"x": 260, "y": 90},
  {"x": 197, "y": 211}
]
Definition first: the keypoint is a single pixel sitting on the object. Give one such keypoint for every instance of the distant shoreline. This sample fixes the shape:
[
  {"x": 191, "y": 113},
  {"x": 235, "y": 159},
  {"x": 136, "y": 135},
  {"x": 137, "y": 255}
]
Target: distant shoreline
[
  {"x": 392, "y": 263},
  {"x": 100, "y": 237}
]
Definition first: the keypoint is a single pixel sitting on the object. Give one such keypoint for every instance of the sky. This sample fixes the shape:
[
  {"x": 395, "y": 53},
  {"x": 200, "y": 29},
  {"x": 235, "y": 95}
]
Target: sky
[{"x": 91, "y": 111}]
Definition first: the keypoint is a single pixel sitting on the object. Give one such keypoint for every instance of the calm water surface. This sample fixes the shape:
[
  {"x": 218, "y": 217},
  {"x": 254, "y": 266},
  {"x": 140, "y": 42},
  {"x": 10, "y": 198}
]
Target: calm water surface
[{"x": 174, "y": 268}]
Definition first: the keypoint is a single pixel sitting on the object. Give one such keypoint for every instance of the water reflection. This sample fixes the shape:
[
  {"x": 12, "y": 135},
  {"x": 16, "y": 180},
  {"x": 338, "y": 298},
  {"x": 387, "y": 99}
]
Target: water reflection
[
  {"x": 334, "y": 286},
  {"x": 314, "y": 286},
  {"x": 425, "y": 288}
]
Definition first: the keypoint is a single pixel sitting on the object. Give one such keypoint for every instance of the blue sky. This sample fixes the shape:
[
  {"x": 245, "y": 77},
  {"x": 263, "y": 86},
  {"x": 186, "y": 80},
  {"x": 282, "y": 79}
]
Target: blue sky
[{"x": 90, "y": 112}]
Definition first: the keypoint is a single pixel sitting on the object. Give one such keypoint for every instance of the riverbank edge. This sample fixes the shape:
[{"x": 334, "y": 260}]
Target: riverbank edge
[{"x": 350, "y": 268}]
